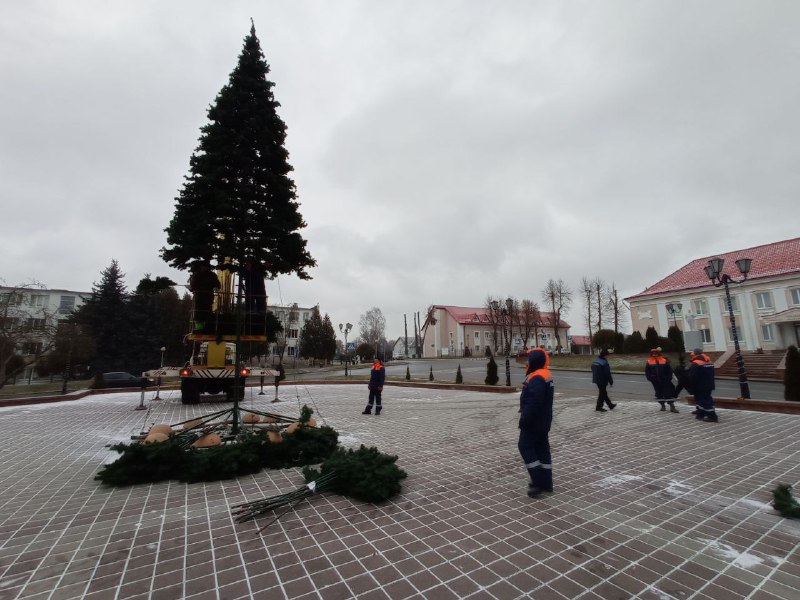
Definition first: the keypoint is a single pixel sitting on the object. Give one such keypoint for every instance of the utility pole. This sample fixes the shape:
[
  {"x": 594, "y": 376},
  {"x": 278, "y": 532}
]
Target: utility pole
[{"x": 405, "y": 329}]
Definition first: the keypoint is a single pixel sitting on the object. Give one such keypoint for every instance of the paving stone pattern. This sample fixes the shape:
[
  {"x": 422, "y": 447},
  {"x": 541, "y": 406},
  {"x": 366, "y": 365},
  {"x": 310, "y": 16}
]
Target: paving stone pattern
[{"x": 648, "y": 505}]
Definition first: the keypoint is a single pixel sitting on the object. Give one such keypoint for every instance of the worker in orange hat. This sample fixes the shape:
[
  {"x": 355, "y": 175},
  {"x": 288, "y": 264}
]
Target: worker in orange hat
[
  {"x": 701, "y": 384},
  {"x": 536, "y": 418},
  {"x": 377, "y": 377},
  {"x": 659, "y": 372}
]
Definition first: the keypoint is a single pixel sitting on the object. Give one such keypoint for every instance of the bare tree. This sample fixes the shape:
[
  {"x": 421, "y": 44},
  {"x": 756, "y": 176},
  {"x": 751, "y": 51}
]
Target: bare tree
[
  {"x": 558, "y": 297},
  {"x": 27, "y": 331},
  {"x": 528, "y": 318},
  {"x": 615, "y": 305},
  {"x": 601, "y": 297},
  {"x": 372, "y": 327},
  {"x": 494, "y": 306},
  {"x": 588, "y": 295}
]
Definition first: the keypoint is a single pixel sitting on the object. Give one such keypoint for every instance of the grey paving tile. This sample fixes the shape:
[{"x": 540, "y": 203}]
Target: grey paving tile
[{"x": 643, "y": 522}]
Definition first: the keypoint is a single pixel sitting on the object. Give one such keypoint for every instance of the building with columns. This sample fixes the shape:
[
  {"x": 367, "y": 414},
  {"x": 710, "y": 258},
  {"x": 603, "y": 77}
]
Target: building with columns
[{"x": 766, "y": 306}]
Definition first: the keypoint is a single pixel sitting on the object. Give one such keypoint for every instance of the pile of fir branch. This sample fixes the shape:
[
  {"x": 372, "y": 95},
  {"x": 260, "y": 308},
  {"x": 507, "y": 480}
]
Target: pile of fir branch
[
  {"x": 365, "y": 474},
  {"x": 250, "y": 452},
  {"x": 784, "y": 503}
]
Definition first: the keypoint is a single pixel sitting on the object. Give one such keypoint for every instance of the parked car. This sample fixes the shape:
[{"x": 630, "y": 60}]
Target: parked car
[{"x": 118, "y": 379}]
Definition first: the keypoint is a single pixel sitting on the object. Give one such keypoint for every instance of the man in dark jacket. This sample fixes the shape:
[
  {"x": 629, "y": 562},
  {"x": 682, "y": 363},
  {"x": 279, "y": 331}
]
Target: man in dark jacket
[
  {"x": 377, "y": 376},
  {"x": 701, "y": 384},
  {"x": 203, "y": 282},
  {"x": 536, "y": 417},
  {"x": 659, "y": 372},
  {"x": 601, "y": 377},
  {"x": 255, "y": 290}
]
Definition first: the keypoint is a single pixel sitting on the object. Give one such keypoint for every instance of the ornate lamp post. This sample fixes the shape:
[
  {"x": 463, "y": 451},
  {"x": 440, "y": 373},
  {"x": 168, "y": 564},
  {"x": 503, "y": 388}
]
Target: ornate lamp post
[
  {"x": 674, "y": 309},
  {"x": 718, "y": 278},
  {"x": 345, "y": 329},
  {"x": 505, "y": 313}
]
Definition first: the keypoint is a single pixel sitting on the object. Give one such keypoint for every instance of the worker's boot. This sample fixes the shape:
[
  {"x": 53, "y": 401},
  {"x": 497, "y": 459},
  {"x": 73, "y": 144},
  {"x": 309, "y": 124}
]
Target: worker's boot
[
  {"x": 378, "y": 410},
  {"x": 672, "y": 407},
  {"x": 663, "y": 406},
  {"x": 368, "y": 410}
]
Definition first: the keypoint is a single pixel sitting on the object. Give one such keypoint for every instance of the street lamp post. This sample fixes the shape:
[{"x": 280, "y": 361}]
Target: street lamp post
[
  {"x": 345, "y": 329},
  {"x": 674, "y": 309},
  {"x": 505, "y": 314},
  {"x": 718, "y": 278},
  {"x": 509, "y": 306},
  {"x": 158, "y": 379}
]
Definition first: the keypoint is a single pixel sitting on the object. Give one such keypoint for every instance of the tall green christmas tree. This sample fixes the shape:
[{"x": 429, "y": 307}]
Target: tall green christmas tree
[{"x": 238, "y": 201}]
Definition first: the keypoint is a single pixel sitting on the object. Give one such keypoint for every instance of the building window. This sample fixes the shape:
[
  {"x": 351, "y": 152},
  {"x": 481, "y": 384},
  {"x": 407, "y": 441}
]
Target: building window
[
  {"x": 306, "y": 317},
  {"x": 739, "y": 334},
  {"x": 293, "y": 334},
  {"x": 32, "y": 348},
  {"x": 487, "y": 335},
  {"x": 39, "y": 300},
  {"x": 66, "y": 305},
  {"x": 8, "y": 322},
  {"x": 36, "y": 324},
  {"x": 764, "y": 299},
  {"x": 700, "y": 307},
  {"x": 766, "y": 332},
  {"x": 11, "y": 299},
  {"x": 796, "y": 296},
  {"x": 477, "y": 336},
  {"x": 706, "y": 335},
  {"x": 292, "y": 317},
  {"x": 290, "y": 351},
  {"x": 734, "y": 304}
]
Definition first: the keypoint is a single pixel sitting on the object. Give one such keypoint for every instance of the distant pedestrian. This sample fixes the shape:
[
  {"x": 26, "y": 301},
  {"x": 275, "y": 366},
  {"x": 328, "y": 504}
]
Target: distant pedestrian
[
  {"x": 377, "y": 377},
  {"x": 659, "y": 372},
  {"x": 681, "y": 375},
  {"x": 601, "y": 377},
  {"x": 278, "y": 378},
  {"x": 536, "y": 417},
  {"x": 701, "y": 384}
]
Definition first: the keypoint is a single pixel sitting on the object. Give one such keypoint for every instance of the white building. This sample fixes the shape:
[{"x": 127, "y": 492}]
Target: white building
[
  {"x": 293, "y": 318},
  {"x": 30, "y": 315},
  {"x": 766, "y": 306},
  {"x": 468, "y": 331}
]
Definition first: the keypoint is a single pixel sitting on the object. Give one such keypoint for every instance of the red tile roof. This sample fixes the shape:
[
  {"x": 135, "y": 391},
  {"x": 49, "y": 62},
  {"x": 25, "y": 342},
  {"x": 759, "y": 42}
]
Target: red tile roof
[
  {"x": 581, "y": 340},
  {"x": 466, "y": 315},
  {"x": 770, "y": 260}
]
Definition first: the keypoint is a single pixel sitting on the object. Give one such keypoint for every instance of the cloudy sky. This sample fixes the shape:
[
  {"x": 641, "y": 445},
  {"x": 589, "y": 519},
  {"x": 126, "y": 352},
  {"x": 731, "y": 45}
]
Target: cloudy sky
[{"x": 443, "y": 151}]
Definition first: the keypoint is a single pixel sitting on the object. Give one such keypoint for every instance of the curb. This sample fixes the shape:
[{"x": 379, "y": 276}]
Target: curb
[{"x": 783, "y": 407}]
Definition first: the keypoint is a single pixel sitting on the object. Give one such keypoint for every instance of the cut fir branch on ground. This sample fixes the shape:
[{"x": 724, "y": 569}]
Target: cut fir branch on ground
[
  {"x": 784, "y": 502},
  {"x": 365, "y": 474}
]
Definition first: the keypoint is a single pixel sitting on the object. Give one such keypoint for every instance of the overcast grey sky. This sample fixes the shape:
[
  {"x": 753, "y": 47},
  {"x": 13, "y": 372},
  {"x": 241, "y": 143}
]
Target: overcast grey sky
[{"x": 443, "y": 151}]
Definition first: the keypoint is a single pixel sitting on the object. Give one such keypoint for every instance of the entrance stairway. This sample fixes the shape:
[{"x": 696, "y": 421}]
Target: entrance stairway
[{"x": 757, "y": 365}]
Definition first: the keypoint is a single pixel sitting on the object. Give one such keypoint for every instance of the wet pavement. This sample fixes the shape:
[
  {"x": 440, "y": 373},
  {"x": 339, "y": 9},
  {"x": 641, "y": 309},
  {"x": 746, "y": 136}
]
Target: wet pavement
[{"x": 647, "y": 504}]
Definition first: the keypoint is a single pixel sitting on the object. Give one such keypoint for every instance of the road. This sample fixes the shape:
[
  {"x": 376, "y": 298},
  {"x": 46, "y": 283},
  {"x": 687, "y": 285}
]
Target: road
[{"x": 628, "y": 385}]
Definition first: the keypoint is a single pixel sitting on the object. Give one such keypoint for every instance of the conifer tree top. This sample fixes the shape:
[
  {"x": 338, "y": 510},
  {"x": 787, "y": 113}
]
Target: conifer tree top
[{"x": 238, "y": 201}]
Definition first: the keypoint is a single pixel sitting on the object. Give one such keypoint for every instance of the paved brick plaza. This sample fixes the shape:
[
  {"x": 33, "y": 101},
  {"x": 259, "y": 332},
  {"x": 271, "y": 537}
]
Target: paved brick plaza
[{"x": 648, "y": 505}]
